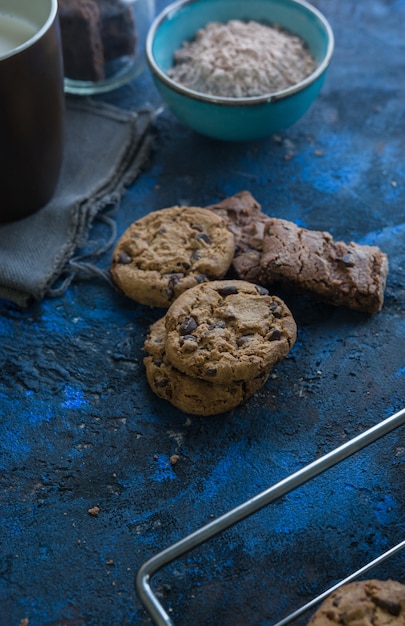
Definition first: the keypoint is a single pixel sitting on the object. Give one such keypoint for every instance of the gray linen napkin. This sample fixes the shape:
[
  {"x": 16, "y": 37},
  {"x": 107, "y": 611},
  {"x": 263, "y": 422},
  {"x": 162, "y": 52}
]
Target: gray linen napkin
[{"x": 105, "y": 149}]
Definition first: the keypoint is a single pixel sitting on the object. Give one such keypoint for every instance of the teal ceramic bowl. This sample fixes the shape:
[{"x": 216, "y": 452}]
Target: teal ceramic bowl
[{"x": 238, "y": 119}]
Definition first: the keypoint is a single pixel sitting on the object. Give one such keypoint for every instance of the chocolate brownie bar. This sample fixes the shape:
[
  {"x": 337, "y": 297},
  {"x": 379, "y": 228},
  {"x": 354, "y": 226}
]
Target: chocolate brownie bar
[
  {"x": 246, "y": 221},
  {"x": 83, "y": 50},
  {"x": 93, "y": 33},
  {"x": 270, "y": 250},
  {"x": 117, "y": 29},
  {"x": 311, "y": 261}
]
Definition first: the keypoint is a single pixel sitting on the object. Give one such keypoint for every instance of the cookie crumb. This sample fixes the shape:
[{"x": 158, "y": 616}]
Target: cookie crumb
[
  {"x": 24, "y": 621},
  {"x": 94, "y": 511},
  {"x": 174, "y": 458}
]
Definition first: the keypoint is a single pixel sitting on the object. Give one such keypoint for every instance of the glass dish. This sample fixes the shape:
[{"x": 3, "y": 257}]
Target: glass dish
[{"x": 103, "y": 42}]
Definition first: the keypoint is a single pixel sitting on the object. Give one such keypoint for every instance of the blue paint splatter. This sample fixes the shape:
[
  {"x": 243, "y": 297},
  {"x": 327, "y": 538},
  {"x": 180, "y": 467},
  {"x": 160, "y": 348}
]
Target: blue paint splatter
[{"x": 74, "y": 398}]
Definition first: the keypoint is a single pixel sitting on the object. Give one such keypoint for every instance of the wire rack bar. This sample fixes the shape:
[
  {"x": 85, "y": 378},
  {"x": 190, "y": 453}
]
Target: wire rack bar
[{"x": 247, "y": 508}]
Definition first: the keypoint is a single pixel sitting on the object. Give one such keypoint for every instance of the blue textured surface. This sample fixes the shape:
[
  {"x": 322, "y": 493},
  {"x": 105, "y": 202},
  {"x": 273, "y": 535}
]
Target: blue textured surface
[{"x": 80, "y": 428}]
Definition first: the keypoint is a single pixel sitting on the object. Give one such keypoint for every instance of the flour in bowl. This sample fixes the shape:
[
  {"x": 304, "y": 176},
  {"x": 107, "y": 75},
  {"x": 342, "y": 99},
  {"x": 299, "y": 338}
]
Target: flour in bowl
[{"x": 241, "y": 59}]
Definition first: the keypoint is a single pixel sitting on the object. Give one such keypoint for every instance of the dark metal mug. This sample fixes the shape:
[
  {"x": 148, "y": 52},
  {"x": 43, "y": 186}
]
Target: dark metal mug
[{"x": 32, "y": 106}]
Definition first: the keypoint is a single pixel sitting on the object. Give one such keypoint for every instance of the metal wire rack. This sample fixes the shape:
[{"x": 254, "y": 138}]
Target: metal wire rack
[{"x": 247, "y": 508}]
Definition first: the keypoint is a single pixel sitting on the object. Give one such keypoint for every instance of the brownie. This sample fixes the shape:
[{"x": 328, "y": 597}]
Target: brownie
[
  {"x": 311, "y": 261},
  {"x": 246, "y": 221},
  {"x": 117, "y": 29},
  {"x": 270, "y": 250},
  {"x": 83, "y": 50},
  {"x": 95, "y": 32}
]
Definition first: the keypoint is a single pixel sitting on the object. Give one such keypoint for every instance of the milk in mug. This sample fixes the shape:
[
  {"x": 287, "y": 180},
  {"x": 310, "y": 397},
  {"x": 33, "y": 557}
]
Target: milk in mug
[{"x": 14, "y": 31}]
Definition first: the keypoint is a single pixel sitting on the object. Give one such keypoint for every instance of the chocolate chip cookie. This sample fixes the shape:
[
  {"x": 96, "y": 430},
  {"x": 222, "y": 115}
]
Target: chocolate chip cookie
[
  {"x": 363, "y": 603},
  {"x": 168, "y": 251},
  {"x": 191, "y": 395},
  {"x": 228, "y": 330}
]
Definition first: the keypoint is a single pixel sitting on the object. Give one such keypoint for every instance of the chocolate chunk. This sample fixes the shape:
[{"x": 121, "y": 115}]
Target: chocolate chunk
[
  {"x": 262, "y": 291},
  {"x": 244, "y": 339},
  {"x": 275, "y": 335},
  {"x": 219, "y": 324},
  {"x": 169, "y": 293},
  {"x": 195, "y": 255},
  {"x": 203, "y": 237},
  {"x": 162, "y": 382},
  {"x": 211, "y": 371},
  {"x": 124, "y": 258},
  {"x": 393, "y": 608},
  {"x": 276, "y": 310},
  {"x": 229, "y": 290},
  {"x": 201, "y": 278},
  {"x": 189, "y": 338},
  {"x": 175, "y": 279},
  {"x": 187, "y": 327}
]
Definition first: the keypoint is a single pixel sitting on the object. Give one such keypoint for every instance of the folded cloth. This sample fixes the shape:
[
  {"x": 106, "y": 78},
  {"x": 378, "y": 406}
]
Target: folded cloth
[{"x": 105, "y": 149}]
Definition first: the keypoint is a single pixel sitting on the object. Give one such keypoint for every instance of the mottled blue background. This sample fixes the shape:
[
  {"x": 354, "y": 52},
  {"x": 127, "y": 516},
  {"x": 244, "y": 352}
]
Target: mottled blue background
[{"x": 80, "y": 427}]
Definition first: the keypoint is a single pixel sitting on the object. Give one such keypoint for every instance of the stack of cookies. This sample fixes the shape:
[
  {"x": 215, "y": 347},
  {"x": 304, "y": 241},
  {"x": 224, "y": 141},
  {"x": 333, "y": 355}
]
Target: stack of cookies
[
  {"x": 216, "y": 345},
  {"x": 219, "y": 339}
]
